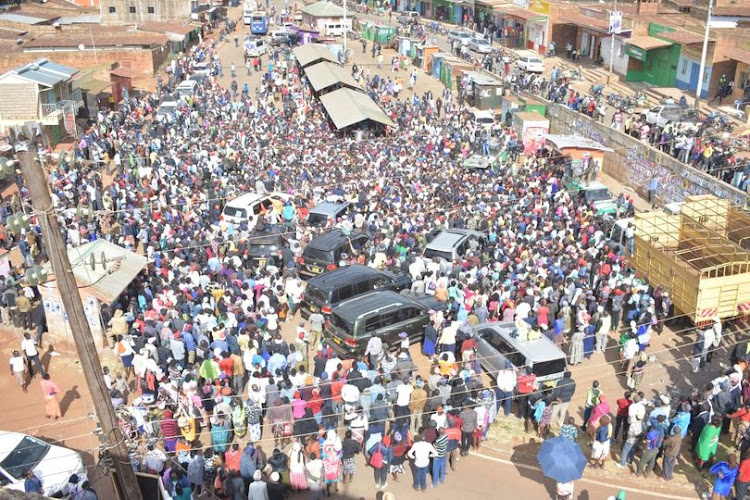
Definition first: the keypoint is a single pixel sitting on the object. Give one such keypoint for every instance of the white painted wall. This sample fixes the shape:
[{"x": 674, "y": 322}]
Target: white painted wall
[{"x": 621, "y": 58}]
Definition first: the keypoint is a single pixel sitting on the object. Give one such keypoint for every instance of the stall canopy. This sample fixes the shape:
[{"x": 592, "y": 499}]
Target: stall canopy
[
  {"x": 105, "y": 281},
  {"x": 348, "y": 107},
  {"x": 573, "y": 141},
  {"x": 312, "y": 53},
  {"x": 325, "y": 75},
  {"x": 648, "y": 42}
]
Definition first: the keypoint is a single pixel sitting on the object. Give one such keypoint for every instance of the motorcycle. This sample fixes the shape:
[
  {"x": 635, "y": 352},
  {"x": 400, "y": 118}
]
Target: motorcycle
[{"x": 596, "y": 90}]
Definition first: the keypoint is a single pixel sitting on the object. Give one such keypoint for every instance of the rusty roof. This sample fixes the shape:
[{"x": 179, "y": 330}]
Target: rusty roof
[
  {"x": 515, "y": 11},
  {"x": 737, "y": 55},
  {"x": 131, "y": 39},
  {"x": 682, "y": 37},
  {"x": 157, "y": 27},
  {"x": 591, "y": 23},
  {"x": 647, "y": 42}
]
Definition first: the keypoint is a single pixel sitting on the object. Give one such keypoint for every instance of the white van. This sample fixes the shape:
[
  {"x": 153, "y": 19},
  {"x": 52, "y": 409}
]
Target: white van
[
  {"x": 335, "y": 29},
  {"x": 247, "y": 207},
  {"x": 255, "y": 48}
]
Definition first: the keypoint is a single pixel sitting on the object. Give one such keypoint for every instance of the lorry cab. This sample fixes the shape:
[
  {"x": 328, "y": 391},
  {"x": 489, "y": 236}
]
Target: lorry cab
[{"x": 597, "y": 195}]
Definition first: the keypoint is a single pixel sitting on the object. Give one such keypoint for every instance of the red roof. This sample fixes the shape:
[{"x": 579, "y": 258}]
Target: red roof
[
  {"x": 591, "y": 23},
  {"x": 682, "y": 37},
  {"x": 518, "y": 12}
]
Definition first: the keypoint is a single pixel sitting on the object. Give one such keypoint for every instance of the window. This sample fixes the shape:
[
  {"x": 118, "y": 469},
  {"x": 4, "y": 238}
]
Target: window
[
  {"x": 112, "y": 10},
  {"x": 345, "y": 292},
  {"x": 683, "y": 71},
  {"x": 132, "y": 10},
  {"x": 408, "y": 313},
  {"x": 151, "y": 10}
]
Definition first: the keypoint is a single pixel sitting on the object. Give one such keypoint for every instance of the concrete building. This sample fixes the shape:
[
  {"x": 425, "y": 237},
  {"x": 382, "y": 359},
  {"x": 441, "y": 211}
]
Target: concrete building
[
  {"x": 40, "y": 91},
  {"x": 140, "y": 11}
]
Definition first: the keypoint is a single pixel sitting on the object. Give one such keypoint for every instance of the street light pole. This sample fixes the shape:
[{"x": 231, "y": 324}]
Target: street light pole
[
  {"x": 345, "y": 31},
  {"x": 612, "y": 47},
  {"x": 704, "y": 53},
  {"x": 91, "y": 367}
]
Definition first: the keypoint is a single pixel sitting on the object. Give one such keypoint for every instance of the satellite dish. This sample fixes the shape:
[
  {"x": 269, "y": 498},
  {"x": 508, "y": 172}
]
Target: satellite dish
[{"x": 81, "y": 47}]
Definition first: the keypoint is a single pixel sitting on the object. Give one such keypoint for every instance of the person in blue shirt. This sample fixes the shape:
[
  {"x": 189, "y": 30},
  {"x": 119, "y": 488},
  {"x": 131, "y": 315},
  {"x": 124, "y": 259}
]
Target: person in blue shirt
[{"x": 32, "y": 484}]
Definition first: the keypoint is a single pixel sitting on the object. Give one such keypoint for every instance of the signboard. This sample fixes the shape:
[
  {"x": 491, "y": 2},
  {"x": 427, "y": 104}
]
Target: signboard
[
  {"x": 615, "y": 22},
  {"x": 540, "y": 6},
  {"x": 635, "y": 52}
]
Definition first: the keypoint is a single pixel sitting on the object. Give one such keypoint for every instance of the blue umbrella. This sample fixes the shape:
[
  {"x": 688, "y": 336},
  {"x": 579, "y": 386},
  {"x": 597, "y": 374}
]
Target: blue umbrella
[{"x": 561, "y": 459}]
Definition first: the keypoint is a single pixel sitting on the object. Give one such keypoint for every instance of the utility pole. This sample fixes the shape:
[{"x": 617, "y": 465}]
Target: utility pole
[
  {"x": 704, "y": 53},
  {"x": 41, "y": 202},
  {"x": 345, "y": 32},
  {"x": 612, "y": 45}
]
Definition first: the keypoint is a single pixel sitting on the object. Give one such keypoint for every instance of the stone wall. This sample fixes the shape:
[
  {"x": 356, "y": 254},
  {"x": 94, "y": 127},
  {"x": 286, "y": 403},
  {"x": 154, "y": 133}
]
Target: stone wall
[{"x": 635, "y": 163}]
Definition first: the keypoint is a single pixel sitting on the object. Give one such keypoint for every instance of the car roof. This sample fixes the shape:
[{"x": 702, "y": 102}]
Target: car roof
[
  {"x": 329, "y": 208},
  {"x": 537, "y": 350},
  {"x": 449, "y": 238},
  {"x": 342, "y": 275},
  {"x": 245, "y": 199},
  {"x": 8, "y": 441},
  {"x": 382, "y": 299},
  {"x": 595, "y": 185},
  {"x": 330, "y": 240}
]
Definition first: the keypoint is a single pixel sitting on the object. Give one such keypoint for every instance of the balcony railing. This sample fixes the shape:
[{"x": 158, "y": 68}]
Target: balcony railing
[{"x": 48, "y": 109}]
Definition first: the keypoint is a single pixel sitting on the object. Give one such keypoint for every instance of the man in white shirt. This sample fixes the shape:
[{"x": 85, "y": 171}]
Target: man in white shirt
[
  {"x": 154, "y": 460},
  {"x": 315, "y": 478},
  {"x": 18, "y": 369},
  {"x": 506, "y": 384},
  {"x": 421, "y": 452},
  {"x": 403, "y": 396},
  {"x": 30, "y": 352}
]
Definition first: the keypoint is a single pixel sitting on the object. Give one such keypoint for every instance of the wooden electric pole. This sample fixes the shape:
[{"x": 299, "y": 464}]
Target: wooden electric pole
[{"x": 41, "y": 202}]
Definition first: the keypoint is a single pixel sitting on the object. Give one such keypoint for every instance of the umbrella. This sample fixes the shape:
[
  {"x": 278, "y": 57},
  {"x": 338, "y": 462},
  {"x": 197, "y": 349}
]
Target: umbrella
[{"x": 561, "y": 459}]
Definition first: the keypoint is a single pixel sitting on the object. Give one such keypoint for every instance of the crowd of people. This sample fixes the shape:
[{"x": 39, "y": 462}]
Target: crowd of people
[{"x": 204, "y": 353}]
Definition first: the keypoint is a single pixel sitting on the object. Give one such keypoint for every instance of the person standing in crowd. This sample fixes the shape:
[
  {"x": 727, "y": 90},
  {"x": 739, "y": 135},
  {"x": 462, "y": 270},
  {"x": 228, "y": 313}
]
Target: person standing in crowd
[
  {"x": 421, "y": 452},
  {"x": 50, "y": 390}
]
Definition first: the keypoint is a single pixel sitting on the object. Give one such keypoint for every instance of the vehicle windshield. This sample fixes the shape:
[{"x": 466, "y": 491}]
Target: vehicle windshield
[
  {"x": 317, "y": 219},
  {"x": 320, "y": 255},
  {"x": 25, "y": 456},
  {"x": 482, "y": 41},
  {"x": 551, "y": 367},
  {"x": 235, "y": 212},
  {"x": 339, "y": 322},
  {"x": 484, "y": 119},
  {"x": 597, "y": 195},
  {"x": 535, "y": 61},
  {"x": 431, "y": 253}
]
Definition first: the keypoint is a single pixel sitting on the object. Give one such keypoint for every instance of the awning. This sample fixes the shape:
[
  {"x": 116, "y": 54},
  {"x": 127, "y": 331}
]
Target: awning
[
  {"x": 648, "y": 42},
  {"x": 586, "y": 22},
  {"x": 325, "y": 74},
  {"x": 574, "y": 141},
  {"x": 348, "y": 107},
  {"x": 313, "y": 52},
  {"x": 739, "y": 55},
  {"x": 518, "y": 12}
]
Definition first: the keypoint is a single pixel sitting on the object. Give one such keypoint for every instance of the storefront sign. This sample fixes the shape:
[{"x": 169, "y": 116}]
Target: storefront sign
[
  {"x": 540, "y": 6},
  {"x": 635, "y": 52}
]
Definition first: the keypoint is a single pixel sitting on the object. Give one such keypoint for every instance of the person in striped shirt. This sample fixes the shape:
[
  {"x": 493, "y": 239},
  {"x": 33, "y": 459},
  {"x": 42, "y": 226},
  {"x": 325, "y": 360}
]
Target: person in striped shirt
[{"x": 438, "y": 462}]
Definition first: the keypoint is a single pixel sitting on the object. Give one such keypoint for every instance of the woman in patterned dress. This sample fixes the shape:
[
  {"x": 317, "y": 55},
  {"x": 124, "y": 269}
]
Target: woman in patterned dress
[
  {"x": 330, "y": 452},
  {"x": 350, "y": 448}
]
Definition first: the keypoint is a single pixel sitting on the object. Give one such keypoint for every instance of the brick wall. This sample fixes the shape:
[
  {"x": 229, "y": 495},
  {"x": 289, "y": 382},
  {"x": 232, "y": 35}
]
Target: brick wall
[
  {"x": 144, "y": 61},
  {"x": 636, "y": 163}
]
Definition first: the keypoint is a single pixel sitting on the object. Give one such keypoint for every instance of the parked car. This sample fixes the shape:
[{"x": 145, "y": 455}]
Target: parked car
[
  {"x": 327, "y": 212},
  {"x": 53, "y": 465},
  {"x": 324, "y": 252},
  {"x": 408, "y": 17},
  {"x": 480, "y": 45},
  {"x": 267, "y": 243},
  {"x": 278, "y": 37},
  {"x": 384, "y": 314},
  {"x": 459, "y": 36},
  {"x": 248, "y": 207},
  {"x": 453, "y": 244},
  {"x": 498, "y": 342},
  {"x": 325, "y": 291},
  {"x": 166, "y": 111},
  {"x": 256, "y": 47},
  {"x": 530, "y": 64}
]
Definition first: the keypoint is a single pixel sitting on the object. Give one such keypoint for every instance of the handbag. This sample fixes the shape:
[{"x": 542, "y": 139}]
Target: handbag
[
  {"x": 376, "y": 459},
  {"x": 630, "y": 383}
]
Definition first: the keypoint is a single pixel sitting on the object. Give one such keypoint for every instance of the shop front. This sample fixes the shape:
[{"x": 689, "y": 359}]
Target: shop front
[
  {"x": 522, "y": 28},
  {"x": 582, "y": 33},
  {"x": 652, "y": 60}
]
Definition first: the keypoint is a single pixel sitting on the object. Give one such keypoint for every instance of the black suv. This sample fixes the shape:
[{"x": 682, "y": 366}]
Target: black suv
[
  {"x": 267, "y": 243},
  {"x": 324, "y": 252},
  {"x": 325, "y": 291},
  {"x": 384, "y": 314}
]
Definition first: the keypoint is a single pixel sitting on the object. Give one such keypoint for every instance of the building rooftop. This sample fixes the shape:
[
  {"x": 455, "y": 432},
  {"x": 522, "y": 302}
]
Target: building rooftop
[
  {"x": 322, "y": 9},
  {"x": 101, "y": 40},
  {"x": 43, "y": 72}
]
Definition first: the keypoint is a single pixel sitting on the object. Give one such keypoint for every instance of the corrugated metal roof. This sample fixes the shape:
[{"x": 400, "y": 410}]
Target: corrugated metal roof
[
  {"x": 591, "y": 23},
  {"x": 323, "y": 9},
  {"x": 347, "y": 107},
  {"x": 648, "y": 42},
  {"x": 44, "y": 72},
  {"x": 82, "y": 19},
  {"x": 326, "y": 74},
  {"x": 515, "y": 11},
  {"x": 737, "y": 55},
  {"x": 682, "y": 37},
  {"x": 313, "y": 52},
  {"x": 101, "y": 282},
  {"x": 22, "y": 18},
  {"x": 573, "y": 141}
]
